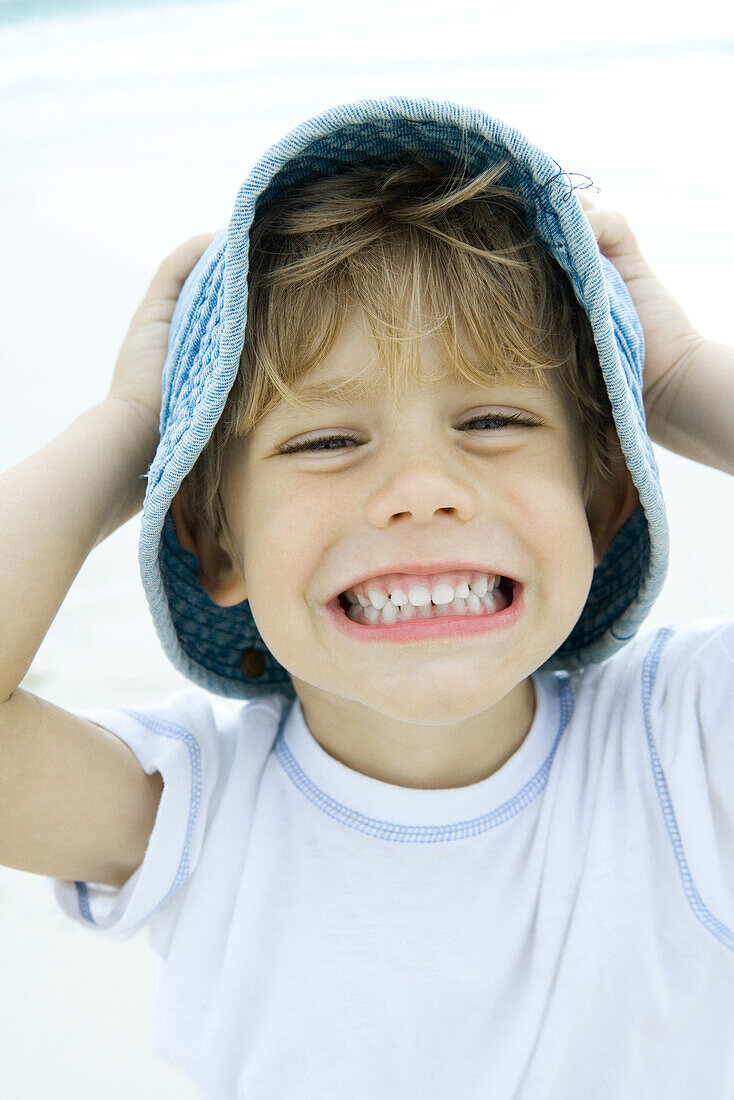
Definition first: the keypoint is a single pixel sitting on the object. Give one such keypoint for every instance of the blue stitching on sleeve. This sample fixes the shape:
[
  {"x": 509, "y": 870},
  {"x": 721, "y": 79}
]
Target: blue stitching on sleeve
[
  {"x": 82, "y": 897},
  {"x": 711, "y": 923},
  {"x": 424, "y": 834},
  {"x": 164, "y": 729}
]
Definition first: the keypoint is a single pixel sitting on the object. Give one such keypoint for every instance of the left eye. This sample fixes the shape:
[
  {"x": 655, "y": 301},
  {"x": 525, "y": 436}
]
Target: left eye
[{"x": 324, "y": 442}]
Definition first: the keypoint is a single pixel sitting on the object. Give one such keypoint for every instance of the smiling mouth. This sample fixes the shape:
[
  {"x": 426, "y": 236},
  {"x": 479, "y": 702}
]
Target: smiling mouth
[{"x": 472, "y": 608}]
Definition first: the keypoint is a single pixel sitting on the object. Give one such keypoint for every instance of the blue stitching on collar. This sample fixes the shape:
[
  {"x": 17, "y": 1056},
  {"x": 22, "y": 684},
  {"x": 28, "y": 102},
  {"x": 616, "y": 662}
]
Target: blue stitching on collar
[{"x": 424, "y": 834}]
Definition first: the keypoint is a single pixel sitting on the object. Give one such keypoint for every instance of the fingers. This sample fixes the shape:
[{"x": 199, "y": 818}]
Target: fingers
[
  {"x": 164, "y": 288},
  {"x": 177, "y": 265},
  {"x": 585, "y": 199},
  {"x": 612, "y": 231},
  {"x": 194, "y": 246}
]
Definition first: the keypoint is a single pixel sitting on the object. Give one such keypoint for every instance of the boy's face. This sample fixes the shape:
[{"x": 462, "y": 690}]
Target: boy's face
[{"x": 412, "y": 487}]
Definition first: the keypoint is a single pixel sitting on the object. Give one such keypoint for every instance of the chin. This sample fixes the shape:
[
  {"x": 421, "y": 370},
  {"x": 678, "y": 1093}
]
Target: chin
[{"x": 437, "y": 705}]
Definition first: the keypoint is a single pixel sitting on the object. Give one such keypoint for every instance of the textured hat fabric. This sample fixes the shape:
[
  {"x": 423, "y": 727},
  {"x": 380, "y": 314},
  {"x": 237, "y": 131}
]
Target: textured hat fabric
[{"x": 220, "y": 648}]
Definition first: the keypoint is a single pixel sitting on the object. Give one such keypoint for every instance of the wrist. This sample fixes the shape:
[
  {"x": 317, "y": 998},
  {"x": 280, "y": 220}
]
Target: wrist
[
  {"x": 666, "y": 410},
  {"x": 142, "y": 421},
  {"x": 135, "y": 430}
]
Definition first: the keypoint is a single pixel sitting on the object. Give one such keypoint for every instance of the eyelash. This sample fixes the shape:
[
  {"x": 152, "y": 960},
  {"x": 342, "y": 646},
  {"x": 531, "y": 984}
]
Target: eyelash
[{"x": 312, "y": 444}]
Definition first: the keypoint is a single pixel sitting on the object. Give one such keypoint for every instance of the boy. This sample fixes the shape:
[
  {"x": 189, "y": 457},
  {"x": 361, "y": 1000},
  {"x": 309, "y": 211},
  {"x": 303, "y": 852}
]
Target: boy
[{"x": 469, "y": 836}]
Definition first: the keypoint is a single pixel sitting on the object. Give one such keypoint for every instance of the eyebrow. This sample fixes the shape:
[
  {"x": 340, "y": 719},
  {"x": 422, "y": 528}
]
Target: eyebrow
[
  {"x": 334, "y": 389},
  {"x": 343, "y": 389}
]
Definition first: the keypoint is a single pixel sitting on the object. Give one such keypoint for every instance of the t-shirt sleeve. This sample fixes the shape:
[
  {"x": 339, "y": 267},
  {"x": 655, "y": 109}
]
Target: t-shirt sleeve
[
  {"x": 189, "y": 738},
  {"x": 690, "y": 731}
]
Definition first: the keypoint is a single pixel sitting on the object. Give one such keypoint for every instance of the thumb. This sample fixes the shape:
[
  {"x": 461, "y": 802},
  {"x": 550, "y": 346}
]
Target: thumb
[
  {"x": 174, "y": 269},
  {"x": 616, "y": 240}
]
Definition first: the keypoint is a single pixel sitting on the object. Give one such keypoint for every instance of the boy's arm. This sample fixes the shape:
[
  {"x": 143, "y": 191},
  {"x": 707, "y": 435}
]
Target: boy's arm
[
  {"x": 694, "y": 414},
  {"x": 688, "y": 385},
  {"x": 74, "y": 801},
  {"x": 57, "y": 505}
]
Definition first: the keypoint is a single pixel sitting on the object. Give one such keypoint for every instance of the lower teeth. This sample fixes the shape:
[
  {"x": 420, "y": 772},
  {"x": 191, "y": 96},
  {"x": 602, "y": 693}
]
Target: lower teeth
[{"x": 472, "y": 606}]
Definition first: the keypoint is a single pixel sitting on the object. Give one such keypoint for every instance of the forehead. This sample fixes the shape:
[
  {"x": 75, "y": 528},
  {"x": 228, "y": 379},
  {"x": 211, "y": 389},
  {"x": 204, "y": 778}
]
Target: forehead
[
  {"x": 332, "y": 390},
  {"x": 353, "y": 370}
]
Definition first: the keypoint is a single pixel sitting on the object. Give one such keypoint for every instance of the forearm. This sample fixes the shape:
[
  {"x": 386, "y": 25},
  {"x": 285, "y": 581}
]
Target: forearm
[
  {"x": 57, "y": 505},
  {"x": 694, "y": 417}
]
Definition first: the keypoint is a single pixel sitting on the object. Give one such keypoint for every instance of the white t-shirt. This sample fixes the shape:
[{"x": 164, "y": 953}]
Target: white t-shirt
[{"x": 561, "y": 930}]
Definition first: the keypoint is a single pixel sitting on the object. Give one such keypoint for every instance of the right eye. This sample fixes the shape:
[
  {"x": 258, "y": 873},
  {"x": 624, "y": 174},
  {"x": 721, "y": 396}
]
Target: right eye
[{"x": 313, "y": 444}]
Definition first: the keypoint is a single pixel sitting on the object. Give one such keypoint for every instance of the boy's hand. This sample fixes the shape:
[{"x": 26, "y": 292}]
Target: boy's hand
[
  {"x": 671, "y": 341},
  {"x": 137, "y": 376}
]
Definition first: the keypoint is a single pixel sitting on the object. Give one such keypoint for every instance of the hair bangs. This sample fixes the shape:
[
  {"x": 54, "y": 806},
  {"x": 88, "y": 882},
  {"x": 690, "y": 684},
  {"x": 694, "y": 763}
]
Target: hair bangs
[{"x": 419, "y": 250}]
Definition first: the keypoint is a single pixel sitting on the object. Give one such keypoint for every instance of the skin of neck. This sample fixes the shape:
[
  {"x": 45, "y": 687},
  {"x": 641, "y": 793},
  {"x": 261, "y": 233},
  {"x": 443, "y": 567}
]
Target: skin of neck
[{"x": 409, "y": 755}]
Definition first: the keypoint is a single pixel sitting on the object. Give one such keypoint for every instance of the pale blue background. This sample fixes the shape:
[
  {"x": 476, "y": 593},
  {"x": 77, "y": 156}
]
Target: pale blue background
[{"x": 126, "y": 129}]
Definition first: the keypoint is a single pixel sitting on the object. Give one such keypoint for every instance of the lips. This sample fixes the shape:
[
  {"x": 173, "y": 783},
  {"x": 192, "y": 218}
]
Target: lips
[{"x": 433, "y": 630}]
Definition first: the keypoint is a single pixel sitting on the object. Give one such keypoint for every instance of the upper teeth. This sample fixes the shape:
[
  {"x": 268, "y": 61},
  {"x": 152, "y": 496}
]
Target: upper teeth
[{"x": 420, "y": 595}]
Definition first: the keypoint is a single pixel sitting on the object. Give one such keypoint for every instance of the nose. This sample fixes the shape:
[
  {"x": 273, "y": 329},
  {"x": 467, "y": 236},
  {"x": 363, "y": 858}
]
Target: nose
[{"x": 419, "y": 488}]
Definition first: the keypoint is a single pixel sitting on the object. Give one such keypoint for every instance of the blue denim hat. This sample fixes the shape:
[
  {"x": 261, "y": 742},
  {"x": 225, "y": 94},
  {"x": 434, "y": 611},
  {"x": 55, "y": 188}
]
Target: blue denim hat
[{"x": 220, "y": 648}]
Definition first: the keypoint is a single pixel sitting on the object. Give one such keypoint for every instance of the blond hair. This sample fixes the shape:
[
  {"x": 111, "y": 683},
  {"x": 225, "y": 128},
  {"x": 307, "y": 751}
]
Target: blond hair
[{"x": 421, "y": 249}]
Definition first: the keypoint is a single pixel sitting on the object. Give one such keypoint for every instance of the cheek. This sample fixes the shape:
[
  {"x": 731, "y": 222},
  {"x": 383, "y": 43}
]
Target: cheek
[
  {"x": 292, "y": 533},
  {"x": 546, "y": 489},
  {"x": 555, "y": 525}
]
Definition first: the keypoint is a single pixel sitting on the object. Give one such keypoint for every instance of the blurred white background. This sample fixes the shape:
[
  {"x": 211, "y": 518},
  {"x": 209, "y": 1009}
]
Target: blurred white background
[{"x": 127, "y": 128}]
